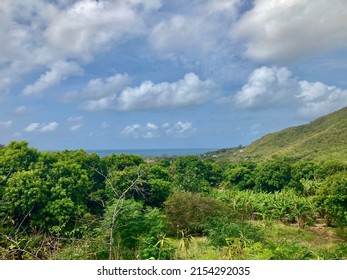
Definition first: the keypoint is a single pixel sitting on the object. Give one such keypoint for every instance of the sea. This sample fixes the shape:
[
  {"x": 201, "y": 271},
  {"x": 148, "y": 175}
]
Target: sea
[{"x": 153, "y": 152}]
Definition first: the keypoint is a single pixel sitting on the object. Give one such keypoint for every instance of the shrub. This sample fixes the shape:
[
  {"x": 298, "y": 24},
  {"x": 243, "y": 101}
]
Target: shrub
[{"x": 189, "y": 211}]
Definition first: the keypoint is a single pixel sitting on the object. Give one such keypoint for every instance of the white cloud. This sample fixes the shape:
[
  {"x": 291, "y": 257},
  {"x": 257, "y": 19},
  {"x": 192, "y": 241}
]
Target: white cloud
[
  {"x": 189, "y": 91},
  {"x": 9, "y": 74},
  {"x": 196, "y": 31},
  {"x": 151, "y": 130},
  {"x": 196, "y": 35},
  {"x": 165, "y": 125},
  {"x": 75, "y": 127},
  {"x": 58, "y": 72},
  {"x": 99, "y": 88},
  {"x": 75, "y": 119},
  {"x": 41, "y": 127},
  {"x": 138, "y": 131},
  {"x": 276, "y": 87},
  {"x": 49, "y": 127},
  {"x": 36, "y": 33},
  {"x": 291, "y": 29},
  {"x": 32, "y": 127},
  {"x": 21, "y": 110},
  {"x": 182, "y": 33},
  {"x": 317, "y": 99},
  {"x": 151, "y": 126},
  {"x": 148, "y": 131},
  {"x": 132, "y": 130},
  {"x": 5, "y": 125},
  {"x": 181, "y": 129},
  {"x": 267, "y": 86},
  {"x": 89, "y": 26}
]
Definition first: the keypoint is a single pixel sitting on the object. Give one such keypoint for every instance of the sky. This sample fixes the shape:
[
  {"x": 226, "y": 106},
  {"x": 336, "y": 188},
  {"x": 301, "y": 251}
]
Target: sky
[{"x": 158, "y": 74}]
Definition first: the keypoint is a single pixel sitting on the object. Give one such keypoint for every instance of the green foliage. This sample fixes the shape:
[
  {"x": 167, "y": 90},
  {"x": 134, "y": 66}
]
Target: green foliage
[
  {"x": 240, "y": 177},
  {"x": 272, "y": 176},
  {"x": 66, "y": 205},
  {"x": 221, "y": 229},
  {"x": 138, "y": 232},
  {"x": 152, "y": 184},
  {"x": 285, "y": 250},
  {"x": 194, "y": 175},
  {"x": 338, "y": 252},
  {"x": 122, "y": 161},
  {"x": 17, "y": 156},
  {"x": 285, "y": 206},
  {"x": 25, "y": 196},
  {"x": 322, "y": 139},
  {"x": 158, "y": 191},
  {"x": 189, "y": 211},
  {"x": 154, "y": 244},
  {"x": 302, "y": 171},
  {"x": 332, "y": 199},
  {"x": 329, "y": 168}
]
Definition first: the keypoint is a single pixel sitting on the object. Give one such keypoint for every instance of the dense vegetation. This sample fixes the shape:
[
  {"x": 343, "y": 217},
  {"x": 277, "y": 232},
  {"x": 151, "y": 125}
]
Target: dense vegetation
[
  {"x": 75, "y": 205},
  {"x": 322, "y": 139}
]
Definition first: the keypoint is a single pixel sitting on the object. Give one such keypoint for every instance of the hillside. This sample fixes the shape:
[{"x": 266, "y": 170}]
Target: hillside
[{"x": 322, "y": 139}]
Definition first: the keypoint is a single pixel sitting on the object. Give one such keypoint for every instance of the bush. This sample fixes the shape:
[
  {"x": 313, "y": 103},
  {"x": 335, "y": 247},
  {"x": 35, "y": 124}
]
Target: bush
[{"x": 189, "y": 211}]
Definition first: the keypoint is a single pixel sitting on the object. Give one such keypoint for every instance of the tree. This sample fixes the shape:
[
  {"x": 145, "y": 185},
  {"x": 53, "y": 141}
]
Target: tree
[
  {"x": 240, "y": 177},
  {"x": 329, "y": 168},
  {"x": 122, "y": 161},
  {"x": 190, "y": 174},
  {"x": 68, "y": 189},
  {"x": 25, "y": 196},
  {"x": 272, "y": 175},
  {"x": 332, "y": 199},
  {"x": 17, "y": 156}
]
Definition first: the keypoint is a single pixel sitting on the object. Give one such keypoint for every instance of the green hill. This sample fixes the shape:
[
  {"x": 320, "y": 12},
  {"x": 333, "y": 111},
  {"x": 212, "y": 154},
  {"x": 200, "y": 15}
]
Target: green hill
[{"x": 322, "y": 139}]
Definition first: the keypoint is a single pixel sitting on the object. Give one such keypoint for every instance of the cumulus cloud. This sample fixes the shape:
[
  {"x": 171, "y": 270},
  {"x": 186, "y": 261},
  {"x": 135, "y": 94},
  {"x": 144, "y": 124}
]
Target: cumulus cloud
[
  {"x": 267, "y": 86},
  {"x": 36, "y": 33},
  {"x": 188, "y": 91},
  {"x": 148, "y": 131},
  {"x": 99, "y": 88},
  {"x": 316, "y": 98},
  {"x": 276, "y": 87},
  {"x": 196, "y": 34},
  {"x": 41, "y": 127},
  {"x": 58, "y": 72},
  {"x": 181, "y": 129},
  {"x": 287, "y": 30},
  {"x": 151, "y": 130},
  {"x": 84, "y": 28}
]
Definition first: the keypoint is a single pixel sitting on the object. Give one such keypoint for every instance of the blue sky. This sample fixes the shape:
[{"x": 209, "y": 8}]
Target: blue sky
[{"x": 126, "y": 74}]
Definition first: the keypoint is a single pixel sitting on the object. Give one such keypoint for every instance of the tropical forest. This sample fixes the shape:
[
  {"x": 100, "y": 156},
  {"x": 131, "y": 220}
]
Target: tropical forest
[{"x": 283, "y": 197}]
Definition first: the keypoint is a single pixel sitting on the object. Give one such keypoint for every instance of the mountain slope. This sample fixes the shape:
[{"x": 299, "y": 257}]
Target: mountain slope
[{"x": 322, "y": 139}]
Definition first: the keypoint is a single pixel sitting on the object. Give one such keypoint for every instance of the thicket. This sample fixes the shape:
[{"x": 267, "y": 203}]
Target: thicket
[{"x": 75, "y": 205}]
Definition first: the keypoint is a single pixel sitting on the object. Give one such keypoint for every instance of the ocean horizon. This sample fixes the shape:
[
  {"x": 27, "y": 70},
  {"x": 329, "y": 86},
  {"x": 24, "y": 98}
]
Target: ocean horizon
[{"x": 153, "y": 152}]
